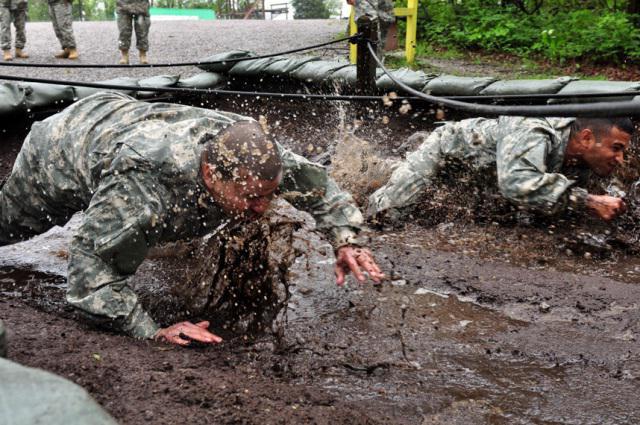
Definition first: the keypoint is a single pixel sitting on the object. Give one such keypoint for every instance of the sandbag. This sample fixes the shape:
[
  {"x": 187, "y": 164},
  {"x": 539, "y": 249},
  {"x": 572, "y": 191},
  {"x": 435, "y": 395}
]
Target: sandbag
[
  {"x": 450, "y": 85},
  {"x": 287, "y": 66},
  {"x": 82, "y": 92},
  {"x": 578, "y": 87},
  {"x": 204, "y": 80},
  {"x": 253, "y": 67},
  {"x": 414, "y": 79},
  {"x": 224, "y": 67},
  {"x": 31, "y": 396},
  {"x": 12, "y": 98},
  {"x": 507, "y": 87},
  {"x": 39, "y": 95},
  {"x": 317, "y": 72},
  {"x": 157, "y": 81}
]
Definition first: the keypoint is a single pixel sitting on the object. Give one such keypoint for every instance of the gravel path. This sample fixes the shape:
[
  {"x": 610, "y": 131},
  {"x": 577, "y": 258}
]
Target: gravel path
[{"x": 170, "y": 41}]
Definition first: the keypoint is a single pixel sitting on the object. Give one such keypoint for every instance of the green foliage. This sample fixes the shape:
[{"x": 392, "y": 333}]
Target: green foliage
[
  {"x": 311, "y": 9},
  {"x": 558, "y": 30}
]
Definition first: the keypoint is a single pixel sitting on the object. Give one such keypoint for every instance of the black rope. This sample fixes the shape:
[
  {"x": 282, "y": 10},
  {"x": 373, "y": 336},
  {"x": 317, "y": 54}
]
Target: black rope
[
  {"x": 178, "y": 64},
  {"x": 593, "y": 109},
  {"x": 197, "y": 91}
]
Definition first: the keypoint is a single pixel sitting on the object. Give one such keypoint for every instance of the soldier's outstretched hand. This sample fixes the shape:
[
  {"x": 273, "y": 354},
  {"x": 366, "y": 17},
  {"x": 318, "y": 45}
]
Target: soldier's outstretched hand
[
  {"x": 351, "y": 258},
  {"x": 606, "y": 207},
  {"x": 184, "y": 332}
]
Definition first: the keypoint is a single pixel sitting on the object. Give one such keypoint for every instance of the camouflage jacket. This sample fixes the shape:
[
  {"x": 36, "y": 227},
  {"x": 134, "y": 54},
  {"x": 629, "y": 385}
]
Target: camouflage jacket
[
  {"x": 14, "y": 4},
  {"x": 133, "y": 7},
  {"x": 526, "y": 153},
  {"x": 133, "y": 167},
  {"x": 381, "y": 9}
]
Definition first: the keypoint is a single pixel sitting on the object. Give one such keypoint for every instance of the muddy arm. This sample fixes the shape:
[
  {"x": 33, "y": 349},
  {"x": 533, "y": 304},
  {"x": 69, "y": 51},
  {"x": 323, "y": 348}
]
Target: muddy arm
[
  {"x": 308, "y": 187},
  {"x": 123, "y": 221},
  {"x": 523, "y": 178}
]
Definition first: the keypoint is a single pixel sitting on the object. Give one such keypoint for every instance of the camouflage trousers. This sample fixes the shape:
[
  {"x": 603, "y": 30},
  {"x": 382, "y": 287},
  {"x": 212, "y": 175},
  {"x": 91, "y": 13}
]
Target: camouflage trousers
[
  {"x": 382, "y": 11},
  {"x": 411, "y": 177},
  {"x": 62, "y": 20},
  {"x": 26, "y": 209},
  {"x": 19, "y": 18},
  {"x": 126, "y": 23}
]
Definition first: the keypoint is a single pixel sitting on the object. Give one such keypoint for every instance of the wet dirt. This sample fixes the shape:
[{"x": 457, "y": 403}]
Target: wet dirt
[{"x": 479, "y": 322}]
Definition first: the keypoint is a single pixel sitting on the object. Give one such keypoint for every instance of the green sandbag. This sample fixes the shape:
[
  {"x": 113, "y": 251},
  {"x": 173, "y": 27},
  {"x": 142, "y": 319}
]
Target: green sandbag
[
  {"x": 82, "y": 92},
  {"x": 31, "y": 396},
  {"x": 450, "y": 85},
  {"x": 224, "y": 67},
  {"x": 157, "y": 81},
  {"x": 578, "y": 87},
  {"x": 204, "y": 80},
  {"x": 349, "y": 75},
  {"x": 39, "y": 95},
  {"x": 3, "y": 340},
  {"x": 285, "y": 67},
  {"x": 12, "y": 99},
  {"x": 526, "y": 86},
  {"x": 318, "y": 71},
  {"x": 254, "y": 67},
  {"x": 414, "y": 79}
]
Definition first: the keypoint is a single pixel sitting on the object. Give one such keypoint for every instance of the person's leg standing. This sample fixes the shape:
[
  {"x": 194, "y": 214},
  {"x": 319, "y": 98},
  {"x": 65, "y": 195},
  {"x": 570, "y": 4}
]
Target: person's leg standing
[
  {"x": 20, "y": 23},
  {"x": 5, "y": 29}
]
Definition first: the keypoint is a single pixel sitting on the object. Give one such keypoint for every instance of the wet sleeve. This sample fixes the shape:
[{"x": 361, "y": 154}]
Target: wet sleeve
[
  {"x": 523, "y": 178},
  {"x": 123, "y": 221},
  {"x": 307, "y": 186}
]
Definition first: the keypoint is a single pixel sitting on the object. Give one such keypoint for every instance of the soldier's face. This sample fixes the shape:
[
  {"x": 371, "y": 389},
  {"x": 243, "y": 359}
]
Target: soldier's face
[
  {"x": 246, "y": 198},
  {"x": 604, "y": 154}
]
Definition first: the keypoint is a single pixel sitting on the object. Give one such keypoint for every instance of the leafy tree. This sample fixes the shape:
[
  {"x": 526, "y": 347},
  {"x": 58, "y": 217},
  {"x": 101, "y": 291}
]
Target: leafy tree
[{"x": 311, "y": 9}]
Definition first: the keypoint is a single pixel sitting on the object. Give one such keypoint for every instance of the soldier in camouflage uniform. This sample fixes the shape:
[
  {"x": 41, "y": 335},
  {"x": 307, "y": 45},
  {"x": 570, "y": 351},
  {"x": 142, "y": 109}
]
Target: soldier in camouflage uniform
[
  {"x": 62, "y": 19},
  {"x": 13, "y": 11},
  {"x": 136, "y": 11},
  {"x": 150, "y": 173},
  {"x": 529, "y": 157},
  {"x": 382, "y": 10}
]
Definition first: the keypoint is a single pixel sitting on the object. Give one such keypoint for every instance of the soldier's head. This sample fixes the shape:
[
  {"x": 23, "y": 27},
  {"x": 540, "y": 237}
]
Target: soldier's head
[
  {"x": 600, "y": 143},
  {"x": 241, "y": 169}
]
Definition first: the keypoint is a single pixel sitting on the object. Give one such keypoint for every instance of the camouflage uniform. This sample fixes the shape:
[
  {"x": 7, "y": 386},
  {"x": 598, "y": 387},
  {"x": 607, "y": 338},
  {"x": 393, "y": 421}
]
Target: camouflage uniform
[
  {"x": 382, "y": 10},
  {"x": 13, "y": 11},
  {"x": 134, "y": 168},
  {"x": 62, "y": 20},
  {"x": 527, "y": 154},
  {"x": 136, "y": 11}
]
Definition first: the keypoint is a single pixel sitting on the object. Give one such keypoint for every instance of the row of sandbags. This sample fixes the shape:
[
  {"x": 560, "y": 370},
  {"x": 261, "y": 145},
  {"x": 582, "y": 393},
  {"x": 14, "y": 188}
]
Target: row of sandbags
[
  {"x": 316, "y": 71},
  {"x": 20, "y": 98}
]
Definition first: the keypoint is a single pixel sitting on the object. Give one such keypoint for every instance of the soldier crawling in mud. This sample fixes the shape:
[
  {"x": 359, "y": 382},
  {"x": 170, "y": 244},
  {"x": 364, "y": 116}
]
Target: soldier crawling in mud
[
  {"x": 534, "y": 160},
  {"x": 151, "y": 173},
  {"x": 136, "y": 12}
]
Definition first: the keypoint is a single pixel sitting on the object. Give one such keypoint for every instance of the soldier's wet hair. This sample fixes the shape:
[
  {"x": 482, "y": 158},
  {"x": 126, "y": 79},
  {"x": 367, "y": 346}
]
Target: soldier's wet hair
[
  {"x": 602, "y": 126},
  {"x": 242, "y": 146}
]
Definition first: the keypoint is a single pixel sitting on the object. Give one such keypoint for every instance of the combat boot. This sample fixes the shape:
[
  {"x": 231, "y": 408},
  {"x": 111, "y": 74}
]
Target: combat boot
[
  {"x": 63, "y": 54},
  {"x": 143, "y": 57},
  {"x": 7, "y": 55},
  {"x": 73, "y": 53},
  {"x": 124, "y": 57},
  {"x": 20, "y": 54}
]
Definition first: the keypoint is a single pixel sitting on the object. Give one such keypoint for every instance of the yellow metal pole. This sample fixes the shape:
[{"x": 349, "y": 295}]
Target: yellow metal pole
[
  {"x": 412, "y": 31},
  {"x": 353, "y": 28}
]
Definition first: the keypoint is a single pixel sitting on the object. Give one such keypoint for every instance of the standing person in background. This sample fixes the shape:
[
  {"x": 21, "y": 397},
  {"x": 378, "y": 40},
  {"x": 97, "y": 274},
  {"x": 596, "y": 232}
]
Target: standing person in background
[
  {"x": 62, "y": 20},
  {"x": 13, "y": 11},
  {"x": 133, "y": 14},
  {"x": 382, "y": 11}
]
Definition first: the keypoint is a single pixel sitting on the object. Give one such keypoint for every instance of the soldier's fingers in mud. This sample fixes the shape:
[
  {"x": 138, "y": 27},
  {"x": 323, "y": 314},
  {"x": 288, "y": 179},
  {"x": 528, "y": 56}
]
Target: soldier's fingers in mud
[
  {"x": 368, "y": 263},
  {"x": 184, "y": 332}
]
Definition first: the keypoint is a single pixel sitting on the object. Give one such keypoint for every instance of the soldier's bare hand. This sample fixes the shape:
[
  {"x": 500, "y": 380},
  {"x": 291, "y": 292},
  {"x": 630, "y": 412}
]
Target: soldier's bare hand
[
  {"x": 606, "y": 207},
  {"x": 355, "y": 259},
  {"x": 184, "y": 332}
]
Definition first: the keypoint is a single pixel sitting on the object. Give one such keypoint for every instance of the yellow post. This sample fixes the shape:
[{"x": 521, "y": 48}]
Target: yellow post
[
  {"x": 353, "y": 28},
  {"x": 411, "y": 12}
]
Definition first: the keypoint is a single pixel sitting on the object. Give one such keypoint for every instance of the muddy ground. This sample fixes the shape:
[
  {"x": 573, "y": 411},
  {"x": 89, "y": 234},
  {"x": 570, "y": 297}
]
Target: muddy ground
[{"x": 482, "y": 321}]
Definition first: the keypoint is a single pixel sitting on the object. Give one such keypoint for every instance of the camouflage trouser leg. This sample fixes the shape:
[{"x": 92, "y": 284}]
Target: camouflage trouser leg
[
  {"x": 124, "y": 30},
  {"x": 25, "y": 209},
  {"x": 19, "y": 22},
  {"x": 142, "y": 24},
  {"x": 410, "y": 178},
  {"x": 62, "y": 20},
  {"x": 380, "y": 10},
  {"x": 5, "y": 28}
]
